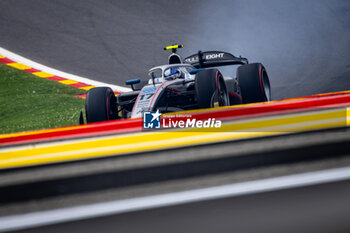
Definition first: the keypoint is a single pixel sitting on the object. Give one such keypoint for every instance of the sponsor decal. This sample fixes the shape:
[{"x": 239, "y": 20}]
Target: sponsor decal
[
  {"x": 214, "y": 56},
  {"x": 209, "y": 56},
  {"x": 149, "y": 90},
  {"x": 153, "y": 120},
  {"x": 192, "y": 59}
]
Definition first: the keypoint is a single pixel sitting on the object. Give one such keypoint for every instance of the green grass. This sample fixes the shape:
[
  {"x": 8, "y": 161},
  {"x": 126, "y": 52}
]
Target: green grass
[{"x": 28, "y": 102}]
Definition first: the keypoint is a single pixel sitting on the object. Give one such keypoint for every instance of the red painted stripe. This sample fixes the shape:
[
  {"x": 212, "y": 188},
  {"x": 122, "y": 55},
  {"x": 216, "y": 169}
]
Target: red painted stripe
[
  {"x": 235, "y": 95},
  {"x": 77, "y": 85},
  {"x": 325, "y": 95},
  {"x": 84, "y": 95},
  {"x": 56, "y": 78},
  {"x": 135, "y": 125},
  {"x": 32, "y": 70},
  {"x": 81, "y": 96},
  {"x": 261, "y": 83},
  {"x": 107, "y": 107},
  {"x": 6, "y": 60},
  {"x": 276, "y": 108},
  {"x": 216, "y": 81},
  {"x": 174, "y": 90},
  {"x": 95, "y": 129}
]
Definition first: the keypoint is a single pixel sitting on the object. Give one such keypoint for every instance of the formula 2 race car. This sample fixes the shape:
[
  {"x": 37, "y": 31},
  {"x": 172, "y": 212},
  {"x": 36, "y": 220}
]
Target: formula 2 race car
[{"x": 192, "y": 83}]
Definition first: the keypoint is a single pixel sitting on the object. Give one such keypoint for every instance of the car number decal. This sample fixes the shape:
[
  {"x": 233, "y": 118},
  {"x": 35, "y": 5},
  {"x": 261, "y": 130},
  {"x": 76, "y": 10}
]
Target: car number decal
[{"x": 143, "y": 101}]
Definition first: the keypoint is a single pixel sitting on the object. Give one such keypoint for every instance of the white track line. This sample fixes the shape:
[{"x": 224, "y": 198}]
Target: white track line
[
  {"x": 25, "y": 61},
  {"x": 35, "y": 219}
]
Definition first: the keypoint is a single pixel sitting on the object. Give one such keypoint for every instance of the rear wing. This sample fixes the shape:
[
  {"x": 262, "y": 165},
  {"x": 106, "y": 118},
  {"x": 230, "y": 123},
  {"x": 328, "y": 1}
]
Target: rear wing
[{"x": 214, "y": 58}]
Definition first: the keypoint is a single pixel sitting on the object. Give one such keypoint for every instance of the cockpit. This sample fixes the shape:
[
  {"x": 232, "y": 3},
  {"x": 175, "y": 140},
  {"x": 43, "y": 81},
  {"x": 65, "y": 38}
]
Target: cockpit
[{"x": 170, "y": 72}]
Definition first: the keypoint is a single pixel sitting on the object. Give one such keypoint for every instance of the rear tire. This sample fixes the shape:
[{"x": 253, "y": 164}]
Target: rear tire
[
  {"x": 211, "y": 89},
  {"x": 100, "y": 105},
  {"x": 254, "y": 83},
  {"x": 233, "y": 91}
]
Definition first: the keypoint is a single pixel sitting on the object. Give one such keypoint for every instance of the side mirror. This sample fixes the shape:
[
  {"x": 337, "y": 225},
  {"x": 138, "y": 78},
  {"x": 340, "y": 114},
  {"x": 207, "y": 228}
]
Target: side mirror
[
  {"x": 195, "y": 71},
  {"x": 132, "y": 81}
]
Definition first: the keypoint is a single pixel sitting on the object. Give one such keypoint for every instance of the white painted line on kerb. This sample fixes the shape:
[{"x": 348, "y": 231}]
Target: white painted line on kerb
[
  {"x": 25, "y": 61},
  {"x": 42, "y": 218}
]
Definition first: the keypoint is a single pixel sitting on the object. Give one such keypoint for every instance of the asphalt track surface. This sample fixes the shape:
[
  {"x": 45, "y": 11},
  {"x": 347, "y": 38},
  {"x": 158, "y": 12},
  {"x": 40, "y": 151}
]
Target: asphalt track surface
[{"x": 303, "y": 44}]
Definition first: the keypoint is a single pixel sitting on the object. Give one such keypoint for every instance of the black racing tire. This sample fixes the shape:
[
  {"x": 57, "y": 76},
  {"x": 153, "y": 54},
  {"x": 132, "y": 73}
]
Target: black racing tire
[
  {"x": 254, "y": 83},
  {"x": 233, "y": 91},
  {"x": 100, "y": 105},
  {"x": 210, "y": 88}
]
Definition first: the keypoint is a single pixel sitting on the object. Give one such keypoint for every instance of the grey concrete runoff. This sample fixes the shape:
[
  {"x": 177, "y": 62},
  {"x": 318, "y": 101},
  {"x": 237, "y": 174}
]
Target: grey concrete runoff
[{"x": 62, "y": 218}]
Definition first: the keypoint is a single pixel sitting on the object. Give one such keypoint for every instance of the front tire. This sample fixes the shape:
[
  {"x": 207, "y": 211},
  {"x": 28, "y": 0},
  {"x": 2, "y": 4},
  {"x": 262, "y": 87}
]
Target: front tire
[
  {"x": 211, "y": 89},
  {"x": 100, "y": 105},
  {"x": 254, "y": 83}
]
